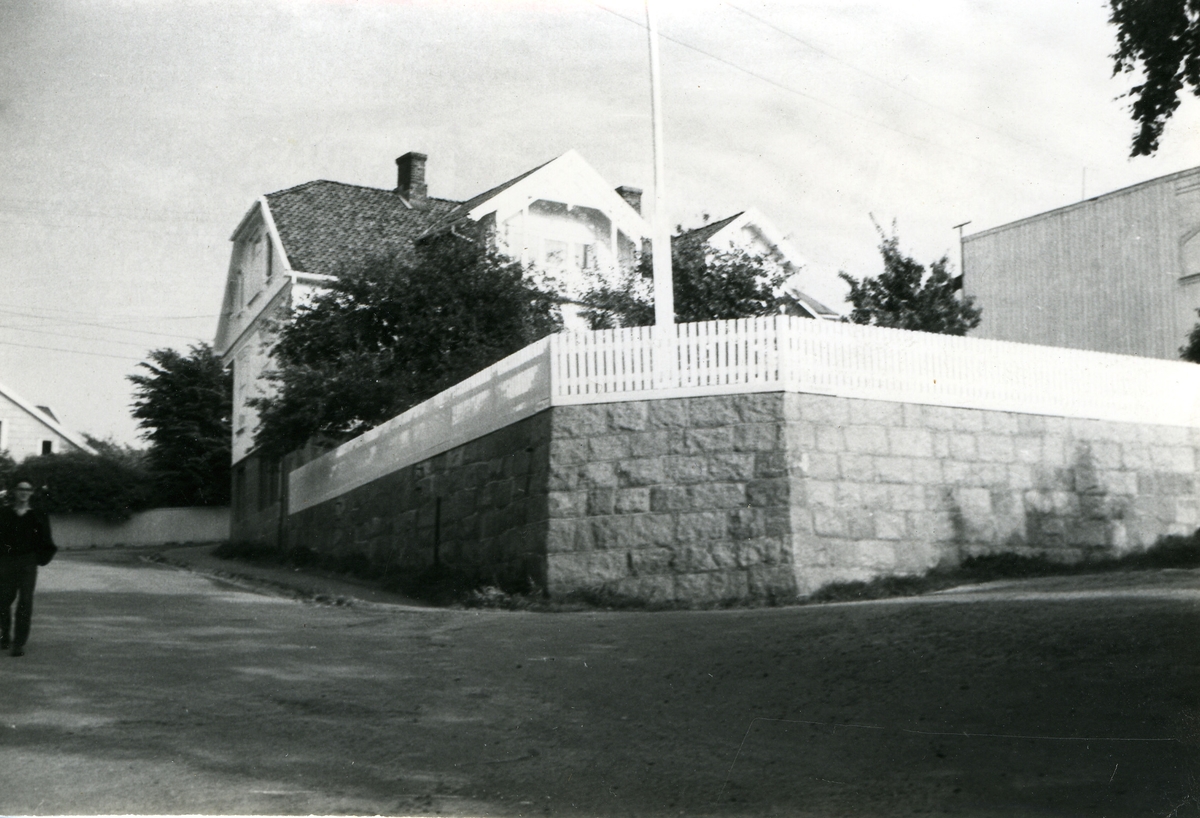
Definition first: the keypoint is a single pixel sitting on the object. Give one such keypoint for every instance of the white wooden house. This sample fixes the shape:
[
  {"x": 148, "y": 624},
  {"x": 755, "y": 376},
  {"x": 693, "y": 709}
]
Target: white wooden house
[
  {"x": 27, "y": 429},
  {"x": 561, "y": 217}
]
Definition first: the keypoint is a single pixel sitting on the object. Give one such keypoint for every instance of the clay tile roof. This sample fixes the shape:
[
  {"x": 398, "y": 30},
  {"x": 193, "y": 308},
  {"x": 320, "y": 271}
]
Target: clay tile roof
[{"x": 327, "y": 225}]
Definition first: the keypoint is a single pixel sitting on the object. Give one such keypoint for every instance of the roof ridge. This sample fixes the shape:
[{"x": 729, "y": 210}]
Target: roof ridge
[
  {"x": 1110, "y": 194},
  {"x": 313, "y": 182},
  {"x": 53, "y": 423},
  {"x": 301, "y": 186},
  {"x": 710, "y": 227},
  {"x": 467, "y": 205}
]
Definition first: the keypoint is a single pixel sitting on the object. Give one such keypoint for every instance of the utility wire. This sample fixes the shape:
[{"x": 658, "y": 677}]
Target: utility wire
[
  {"x": 52, "y": 208},
  {"x": 68, "y": 335},
  {"x": 805, "y": 95},
  {"x": 101, "y": 326},
  {"x": 895, "y": 88},
  {"x": 129, "y": 225},
  {"x": 70, "y": 351},
  {"x": 120, "y": 316}
]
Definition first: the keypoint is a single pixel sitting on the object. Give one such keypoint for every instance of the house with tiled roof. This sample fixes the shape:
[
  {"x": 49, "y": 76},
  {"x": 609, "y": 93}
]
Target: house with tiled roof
[
  {"x": 27, "y": 429},
  {"x": 561, "y": 217}
]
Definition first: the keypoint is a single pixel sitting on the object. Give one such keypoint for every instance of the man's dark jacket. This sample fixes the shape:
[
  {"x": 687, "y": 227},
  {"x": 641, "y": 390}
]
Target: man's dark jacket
[{"x": 26, "y": 536}]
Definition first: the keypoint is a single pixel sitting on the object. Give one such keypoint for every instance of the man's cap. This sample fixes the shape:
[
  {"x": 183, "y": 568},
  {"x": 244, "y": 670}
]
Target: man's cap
[{"x": 23, "y": 486}]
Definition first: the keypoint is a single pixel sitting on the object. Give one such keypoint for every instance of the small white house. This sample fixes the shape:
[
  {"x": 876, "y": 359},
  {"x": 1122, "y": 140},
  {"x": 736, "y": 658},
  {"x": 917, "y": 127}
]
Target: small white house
[{"x": 27, "y": 429}]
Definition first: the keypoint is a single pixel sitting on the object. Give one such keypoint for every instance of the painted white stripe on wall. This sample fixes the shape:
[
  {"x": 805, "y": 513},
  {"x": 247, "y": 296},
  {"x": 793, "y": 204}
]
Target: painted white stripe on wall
[{"x": 779, "y": 353}]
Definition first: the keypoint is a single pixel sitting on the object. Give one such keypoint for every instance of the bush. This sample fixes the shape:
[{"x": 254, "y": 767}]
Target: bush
[
  {"x": 82, "y": 483},
  {"x": 1169, "y": 552}
]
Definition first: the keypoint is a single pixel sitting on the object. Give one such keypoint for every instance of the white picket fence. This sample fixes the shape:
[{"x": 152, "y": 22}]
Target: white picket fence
[
  {"x": 778, "y": 353},
  {"x": 784, "y": 353}
]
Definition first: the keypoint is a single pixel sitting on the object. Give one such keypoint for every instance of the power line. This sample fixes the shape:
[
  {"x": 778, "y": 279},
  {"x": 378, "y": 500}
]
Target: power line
[
  {"x": 122, "y": 316},
  {"x": 70, "y": 351},
  {"x": 129, "y": 225},
  {"x": 67, "y": 335},
  {"x": 101, "y": 326},
  {"x": 896, "y": 88},
  {"x": 50, "y": 207},
  {"x": 799, "y": 93}
]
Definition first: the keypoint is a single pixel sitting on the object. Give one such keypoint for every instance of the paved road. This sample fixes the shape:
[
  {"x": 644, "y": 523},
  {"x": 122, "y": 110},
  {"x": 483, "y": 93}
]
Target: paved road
[{"x": 151, "y": 690}]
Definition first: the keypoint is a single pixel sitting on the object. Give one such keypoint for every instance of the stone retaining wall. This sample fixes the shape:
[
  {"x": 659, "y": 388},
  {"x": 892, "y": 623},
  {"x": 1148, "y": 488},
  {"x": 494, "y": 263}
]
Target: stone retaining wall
[
  {"x": 672, "y": 499},
  {"x": 899, "y": 488},
  {"x": 765, "y": 495},
  {"x": 480, "y": 508}
]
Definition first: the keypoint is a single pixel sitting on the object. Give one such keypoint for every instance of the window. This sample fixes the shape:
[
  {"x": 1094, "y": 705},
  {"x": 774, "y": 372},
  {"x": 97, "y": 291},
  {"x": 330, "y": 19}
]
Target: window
[
  {"x": 1190, "y": 253},
  {"x": 585, "y": 256},
  {"x": 556, "y": 254},
  {"x": 47, "y": 447}
]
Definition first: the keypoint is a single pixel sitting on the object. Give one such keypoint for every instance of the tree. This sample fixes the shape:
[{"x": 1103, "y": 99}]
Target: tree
[
  {"x": 393, "y": 332},
  {"x": 122, "y": 453},
  {"x": 1161, "y": 38},
  {"x": 184, "y": 405},
  {"x": 904, "y": 297},
  {"x": 1191, "y": 350},
  {"x": 708, "y": 285}
]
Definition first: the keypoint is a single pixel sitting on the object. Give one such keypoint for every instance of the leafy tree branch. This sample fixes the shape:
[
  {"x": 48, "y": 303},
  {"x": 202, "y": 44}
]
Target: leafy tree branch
[
  {"x": 392, "y": 333},
  {"x": 904, "y": 296},
  {"x": 1161, "y": 40}
]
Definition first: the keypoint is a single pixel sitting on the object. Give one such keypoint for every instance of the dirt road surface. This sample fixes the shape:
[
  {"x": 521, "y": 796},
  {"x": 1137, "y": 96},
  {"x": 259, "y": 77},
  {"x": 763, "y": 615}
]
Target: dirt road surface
[{"x": 147, "y": 689}]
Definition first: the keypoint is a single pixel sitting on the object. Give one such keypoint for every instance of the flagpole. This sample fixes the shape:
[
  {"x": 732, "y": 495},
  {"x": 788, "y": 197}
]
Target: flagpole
[{"x": 664, "y": 290}]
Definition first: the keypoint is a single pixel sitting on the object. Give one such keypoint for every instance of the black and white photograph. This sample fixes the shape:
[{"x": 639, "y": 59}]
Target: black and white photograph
[{"x": 608, "y": 408}]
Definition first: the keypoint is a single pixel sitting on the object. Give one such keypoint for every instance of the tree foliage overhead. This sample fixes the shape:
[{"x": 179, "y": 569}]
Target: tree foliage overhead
[
  {"x": 393, "y": 332},
  {"x": 708, "y": 285},
  {"x": 903, "y": 296},
  {"x": 1161, "y": 38},
  {"x": 183, "y": 405}
]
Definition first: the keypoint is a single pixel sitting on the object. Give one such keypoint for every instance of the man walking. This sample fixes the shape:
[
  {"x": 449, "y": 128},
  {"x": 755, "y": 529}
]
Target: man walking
[{"x": 25, "y": 543}]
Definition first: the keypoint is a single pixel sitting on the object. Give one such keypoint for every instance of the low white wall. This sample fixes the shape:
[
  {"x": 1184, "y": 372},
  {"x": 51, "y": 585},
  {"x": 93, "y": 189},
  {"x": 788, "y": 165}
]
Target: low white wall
[{"x": 157, "y": 526}]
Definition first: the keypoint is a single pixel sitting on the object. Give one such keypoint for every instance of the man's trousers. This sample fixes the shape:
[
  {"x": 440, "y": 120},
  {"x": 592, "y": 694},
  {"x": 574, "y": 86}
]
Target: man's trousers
[{"x": 17, "y": 580}]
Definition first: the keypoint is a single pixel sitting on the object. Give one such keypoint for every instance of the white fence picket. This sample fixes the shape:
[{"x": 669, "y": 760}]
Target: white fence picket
[{"x": 776, "y": 353}]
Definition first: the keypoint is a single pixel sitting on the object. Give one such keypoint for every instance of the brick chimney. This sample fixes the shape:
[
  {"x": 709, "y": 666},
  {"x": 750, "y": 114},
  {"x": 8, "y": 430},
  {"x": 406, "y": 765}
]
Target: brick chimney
[
  {"x": 632, "y": 195},
  {"x": 410, "y": 177}
]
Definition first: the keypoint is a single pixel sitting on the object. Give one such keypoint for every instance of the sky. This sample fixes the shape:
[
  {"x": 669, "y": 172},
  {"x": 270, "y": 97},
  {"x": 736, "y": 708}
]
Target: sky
[{"x": 135, "y": 134}]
